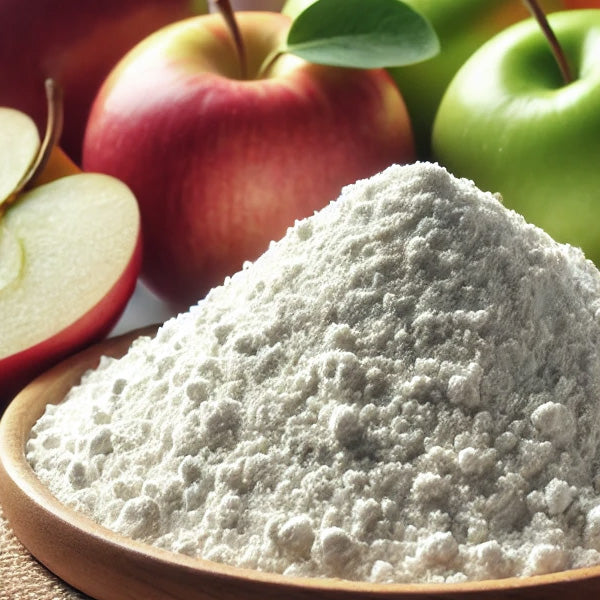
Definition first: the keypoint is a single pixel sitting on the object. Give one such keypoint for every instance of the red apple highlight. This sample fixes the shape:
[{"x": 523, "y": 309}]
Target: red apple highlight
[{"x": 220, "y": 165}]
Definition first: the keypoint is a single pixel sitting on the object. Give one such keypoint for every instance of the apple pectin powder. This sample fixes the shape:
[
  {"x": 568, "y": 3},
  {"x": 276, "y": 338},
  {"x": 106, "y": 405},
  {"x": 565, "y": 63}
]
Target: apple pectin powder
[{"x": 405, "y": 388}]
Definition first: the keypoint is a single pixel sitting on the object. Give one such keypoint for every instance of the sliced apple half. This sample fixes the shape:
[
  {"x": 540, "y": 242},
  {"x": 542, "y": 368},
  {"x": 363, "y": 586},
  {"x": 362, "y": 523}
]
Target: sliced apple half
[{"x": 70, "y": 254}]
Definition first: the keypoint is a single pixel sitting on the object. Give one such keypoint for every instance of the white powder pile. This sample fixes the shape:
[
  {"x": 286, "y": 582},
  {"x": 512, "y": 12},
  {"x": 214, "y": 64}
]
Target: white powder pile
[{"x": 404, "y": 388}]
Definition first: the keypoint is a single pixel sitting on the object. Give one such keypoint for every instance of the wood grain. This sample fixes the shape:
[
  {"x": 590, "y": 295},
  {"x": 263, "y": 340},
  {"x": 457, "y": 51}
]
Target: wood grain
[{"x": 108, "y": 566}]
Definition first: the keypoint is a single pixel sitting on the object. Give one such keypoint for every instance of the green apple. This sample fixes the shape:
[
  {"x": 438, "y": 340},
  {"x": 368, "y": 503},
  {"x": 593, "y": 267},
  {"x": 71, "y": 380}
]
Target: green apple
[
  {"x": 221, "y": 164},
  {"x": 462, "y": 27},
  {"x": 510, "y": 123},
  {"x": 69, "y": 255}
]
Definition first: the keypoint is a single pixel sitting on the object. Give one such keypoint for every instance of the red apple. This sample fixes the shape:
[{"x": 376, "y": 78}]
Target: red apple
[
  {"x": 221, "y": 165},
  {"x": 69, "y": 256},
  {"x": 75, "y": 42}
]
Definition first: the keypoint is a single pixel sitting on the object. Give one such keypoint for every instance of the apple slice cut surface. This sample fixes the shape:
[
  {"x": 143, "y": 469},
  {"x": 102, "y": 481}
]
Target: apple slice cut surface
[
  {"x": 19, "y": 143},
  {"x": 11, "y": 257},
  {"x": 63, "y": 246}
]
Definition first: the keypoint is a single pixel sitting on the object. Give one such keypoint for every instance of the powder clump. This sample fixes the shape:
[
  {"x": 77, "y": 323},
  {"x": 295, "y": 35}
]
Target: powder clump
[{"x": 404, "y": 388}]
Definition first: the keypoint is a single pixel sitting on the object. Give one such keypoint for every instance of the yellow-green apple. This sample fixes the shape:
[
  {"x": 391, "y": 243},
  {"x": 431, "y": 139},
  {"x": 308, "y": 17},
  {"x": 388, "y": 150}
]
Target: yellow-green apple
[
  {"x": 462, "y": 27},
  {"x": 510, "y": 123},
  {"x": 75, "y": 42},
  {"x": 222, "y": 165},
  {"x": 69, "y": 255}
]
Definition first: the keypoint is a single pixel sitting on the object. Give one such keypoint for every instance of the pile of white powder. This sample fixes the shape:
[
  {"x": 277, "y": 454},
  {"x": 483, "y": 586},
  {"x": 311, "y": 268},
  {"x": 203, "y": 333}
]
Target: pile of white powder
[{"x": 404, "y": 388}]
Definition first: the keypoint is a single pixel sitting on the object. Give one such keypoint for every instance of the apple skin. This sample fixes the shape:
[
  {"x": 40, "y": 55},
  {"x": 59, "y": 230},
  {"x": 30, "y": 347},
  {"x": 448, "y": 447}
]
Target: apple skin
[
  {"x": 75, "y": 42},
  {"x": 221, "y": 166},
  {"x": 462, "y": 27},
  {"x": 509, "y": 123}
]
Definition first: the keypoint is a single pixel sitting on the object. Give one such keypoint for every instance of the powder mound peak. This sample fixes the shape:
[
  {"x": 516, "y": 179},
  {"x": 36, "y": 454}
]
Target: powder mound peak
[{"x": 403, "y": 388}]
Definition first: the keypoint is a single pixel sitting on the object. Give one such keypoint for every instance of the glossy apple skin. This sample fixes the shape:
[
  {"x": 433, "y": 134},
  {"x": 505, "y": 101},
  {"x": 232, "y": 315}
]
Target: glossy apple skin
[
  {"x": 508, "y": 123},
  {"x": 76, "y": 42},
  {"x": 220, "y": 166}
]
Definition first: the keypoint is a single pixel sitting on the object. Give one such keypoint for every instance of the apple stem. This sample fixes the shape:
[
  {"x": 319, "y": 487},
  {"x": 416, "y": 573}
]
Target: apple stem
[
  {"x": 535, "y": 9},
  {"x": 52, "y": 134},
  {"x": 228, "y": 14},
  {"x": 54, "y": 98}
]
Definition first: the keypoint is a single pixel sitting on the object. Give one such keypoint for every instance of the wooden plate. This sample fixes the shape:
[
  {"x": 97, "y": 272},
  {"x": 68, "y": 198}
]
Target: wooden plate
[{"x": 108, "y": 566}]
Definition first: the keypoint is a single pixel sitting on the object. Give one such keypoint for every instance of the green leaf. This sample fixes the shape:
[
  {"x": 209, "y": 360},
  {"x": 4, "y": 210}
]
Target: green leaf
[{"x": 365, "y": 34}]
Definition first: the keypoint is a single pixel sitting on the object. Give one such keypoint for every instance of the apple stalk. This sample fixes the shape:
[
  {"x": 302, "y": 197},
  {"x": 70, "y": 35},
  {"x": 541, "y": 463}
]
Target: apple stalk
[
  {"x": 536, "y": 11},
  {"x": 228, "y": 14},
  {"x": 52, "y": 134}
]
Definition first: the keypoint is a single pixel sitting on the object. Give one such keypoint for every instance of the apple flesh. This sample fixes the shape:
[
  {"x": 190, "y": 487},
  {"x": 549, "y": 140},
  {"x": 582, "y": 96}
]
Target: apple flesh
[
  {"x": 221, "y": 166},
  {"x": 69, "y": 260},
  {"x": 509, "y": 123},
  {"x": 75, "y": 42},
  {"x": 19, "y": 133}
]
